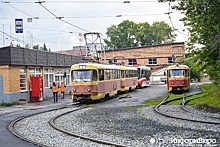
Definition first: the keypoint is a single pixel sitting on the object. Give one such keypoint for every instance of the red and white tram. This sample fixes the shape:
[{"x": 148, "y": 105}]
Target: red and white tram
[{"x": 143, "y": 76}]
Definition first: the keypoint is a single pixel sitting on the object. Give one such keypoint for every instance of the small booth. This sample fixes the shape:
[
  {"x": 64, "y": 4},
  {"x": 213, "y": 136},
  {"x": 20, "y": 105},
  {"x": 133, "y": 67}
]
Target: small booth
[{"x": 36, "y": 89}]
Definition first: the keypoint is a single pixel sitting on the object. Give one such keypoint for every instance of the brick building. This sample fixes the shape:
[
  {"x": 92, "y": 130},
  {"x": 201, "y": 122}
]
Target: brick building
[
  {"x": 76, "y": 51},
  {"x": 154, "y": 56},
  {"x": 17, "y": 65},
  {"x": 158, "y": 57}
]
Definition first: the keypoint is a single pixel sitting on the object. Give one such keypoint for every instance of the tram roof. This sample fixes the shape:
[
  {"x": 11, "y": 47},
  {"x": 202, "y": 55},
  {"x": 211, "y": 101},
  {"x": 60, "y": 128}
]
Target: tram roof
[
  {"x": 144, "y": 67},
  {"x": 95, "y": 66},
  {"x": 128, "y": 68},
  {"x": 178, "y": 67}
]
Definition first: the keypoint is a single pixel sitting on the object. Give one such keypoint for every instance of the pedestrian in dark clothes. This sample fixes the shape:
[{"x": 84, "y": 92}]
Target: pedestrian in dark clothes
[{"x": 55, "y": 90}]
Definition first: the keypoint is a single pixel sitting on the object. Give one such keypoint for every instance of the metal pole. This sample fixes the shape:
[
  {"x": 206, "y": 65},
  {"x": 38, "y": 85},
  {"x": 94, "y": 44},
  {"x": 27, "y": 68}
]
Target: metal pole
[{"x": 3, "y": 36}]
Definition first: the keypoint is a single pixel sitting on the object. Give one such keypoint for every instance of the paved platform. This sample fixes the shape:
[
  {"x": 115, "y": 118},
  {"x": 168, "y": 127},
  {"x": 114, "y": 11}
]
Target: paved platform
[{"x": 36, "y": 105}]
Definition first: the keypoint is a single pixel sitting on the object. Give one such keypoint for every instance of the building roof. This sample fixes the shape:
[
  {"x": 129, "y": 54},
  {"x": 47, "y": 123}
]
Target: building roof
[
  {"x": 148, "y": 46},
  {"x": 29, "y": 57}
]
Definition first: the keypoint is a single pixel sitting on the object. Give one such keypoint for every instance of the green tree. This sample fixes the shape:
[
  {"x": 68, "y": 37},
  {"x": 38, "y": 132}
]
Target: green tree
[
  {"x": 195, "y": 73},
  {"x": 202, "y": 20},
  {"x": 130, "y": 34},
  {"x": 44, "y": 48},
  {"x": 122, "y": 36},
  {"x": 161, "y": 33},
  {"x": 143, "y": 34},
  {"x": 36, "y": 47}
]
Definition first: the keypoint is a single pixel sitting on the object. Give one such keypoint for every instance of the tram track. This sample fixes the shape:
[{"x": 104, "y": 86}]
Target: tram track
[
  {"x": 11, "y": 128},
  {"x": 53, "y": 125},
  {"x": 182, "y": 106}
]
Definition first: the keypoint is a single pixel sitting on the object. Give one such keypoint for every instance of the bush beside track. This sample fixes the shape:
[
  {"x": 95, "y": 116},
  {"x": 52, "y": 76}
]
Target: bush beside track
[{"x": 208, "y": 101}]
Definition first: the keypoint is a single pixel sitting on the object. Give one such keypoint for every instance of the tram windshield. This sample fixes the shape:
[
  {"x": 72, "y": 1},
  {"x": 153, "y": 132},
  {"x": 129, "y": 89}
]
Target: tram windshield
[
  {"x": 84, "y": 75},
  {"x": 143, "y": 73},
  {"x": 177, "y": 73}
]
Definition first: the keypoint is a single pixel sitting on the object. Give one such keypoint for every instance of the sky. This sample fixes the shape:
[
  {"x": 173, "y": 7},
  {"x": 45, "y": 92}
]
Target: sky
[{"x": 59, "y": 23}]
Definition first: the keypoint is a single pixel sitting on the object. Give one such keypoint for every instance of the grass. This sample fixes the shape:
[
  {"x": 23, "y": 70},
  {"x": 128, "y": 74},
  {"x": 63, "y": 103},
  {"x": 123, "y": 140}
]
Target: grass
[
  {"x": 7, "y": 104},
  {"x": 209, "y": 98},
  {"x": 154, "y": 102}
]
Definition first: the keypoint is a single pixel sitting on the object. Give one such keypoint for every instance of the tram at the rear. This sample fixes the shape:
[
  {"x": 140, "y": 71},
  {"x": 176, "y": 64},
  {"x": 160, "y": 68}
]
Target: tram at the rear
[
  {"x": 178, "y": 78},
  {"x": 94, "y": 81},
  {"x": 143, "y": 76}
]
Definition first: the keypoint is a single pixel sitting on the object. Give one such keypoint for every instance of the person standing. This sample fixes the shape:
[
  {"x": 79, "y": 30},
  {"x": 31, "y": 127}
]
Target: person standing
[
  {"x": 55, "y": 90},
  {"x": 62, "y": 89}
]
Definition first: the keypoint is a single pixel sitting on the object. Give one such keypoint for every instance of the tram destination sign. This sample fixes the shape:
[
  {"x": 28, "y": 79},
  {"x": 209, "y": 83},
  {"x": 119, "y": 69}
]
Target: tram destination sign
[{"x": 18, "y": 25}]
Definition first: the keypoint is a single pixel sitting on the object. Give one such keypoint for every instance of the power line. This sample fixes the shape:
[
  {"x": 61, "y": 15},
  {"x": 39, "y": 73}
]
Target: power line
[
  {"x": 60, "y": 18},
  {"x": 44, "y": 29},
  {"x": 107, "y": 16},
  {"x": 18, "y": 40},
  {"x": 149, "y": 1},
  {"x": 24, "y": 42},
  {"x": 21, "y": 11},
  {"x": 168, "y": 13}
]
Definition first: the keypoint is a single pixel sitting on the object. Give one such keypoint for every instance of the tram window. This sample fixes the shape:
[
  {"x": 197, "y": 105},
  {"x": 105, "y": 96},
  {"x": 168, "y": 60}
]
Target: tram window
[
  {"x": 101, "y": 75},
  {"x": 107, "y": 74},
  {"x": 122, "y": 74},
  {"x": 147, "y": 75},
  {"x": 81, "y": 75},
  {"x": 127, "y": 73},
  {"x": 94, "y": 75},
  {"x": 111, "y": 74},
  {"x": 114, "y": 74},
  {"x": 174, "y": 73}
]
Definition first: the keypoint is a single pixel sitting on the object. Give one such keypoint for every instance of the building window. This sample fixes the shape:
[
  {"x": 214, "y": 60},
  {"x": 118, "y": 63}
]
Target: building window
[
  {"x": 67, "y": 79},
  {"x": 132, "y": 61},
  {"x": 170, "y": 60},
  {"x": 48, "y": 77},
  {"x": 59, "y": 76},
  {"x": 35, "y": 71},
  {"x": 112, "y": 61},
  {"x": 152, "y": 61},
  {"x": 22, "y": 78}
]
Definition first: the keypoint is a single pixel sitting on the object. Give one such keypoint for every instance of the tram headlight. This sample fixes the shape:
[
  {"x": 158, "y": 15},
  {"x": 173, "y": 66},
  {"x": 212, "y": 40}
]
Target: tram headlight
[
  {"x": 74, "y": 89},
  {"x": 183, "y": 82},
  {"x": 172, "y": 83},
  {"x": 88, "y": 89}
]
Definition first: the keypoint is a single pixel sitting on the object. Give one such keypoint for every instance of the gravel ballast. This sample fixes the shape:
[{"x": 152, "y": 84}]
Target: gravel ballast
[
  {"x": 129, "y": 126},
  {"x": 123, "y": 121}
]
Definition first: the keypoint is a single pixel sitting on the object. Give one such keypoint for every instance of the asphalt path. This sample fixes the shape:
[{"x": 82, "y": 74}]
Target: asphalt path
[
  {"x": 139, "y": 96},
  {"x": 135, "y": 98},
  {"x": 7, "y": 139}
]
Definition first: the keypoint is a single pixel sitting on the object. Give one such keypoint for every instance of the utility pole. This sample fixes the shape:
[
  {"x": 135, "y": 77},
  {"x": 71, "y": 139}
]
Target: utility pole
[{"x": 3, "y": 36}]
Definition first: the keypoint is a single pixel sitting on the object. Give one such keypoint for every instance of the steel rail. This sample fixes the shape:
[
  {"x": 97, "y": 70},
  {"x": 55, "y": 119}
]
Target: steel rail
[
  {"x": 52, "y": 124},
  {"x": 164, "y": 102},
  {"x": 184, "y": 102},
  {"x": 11, "y": 127}
]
